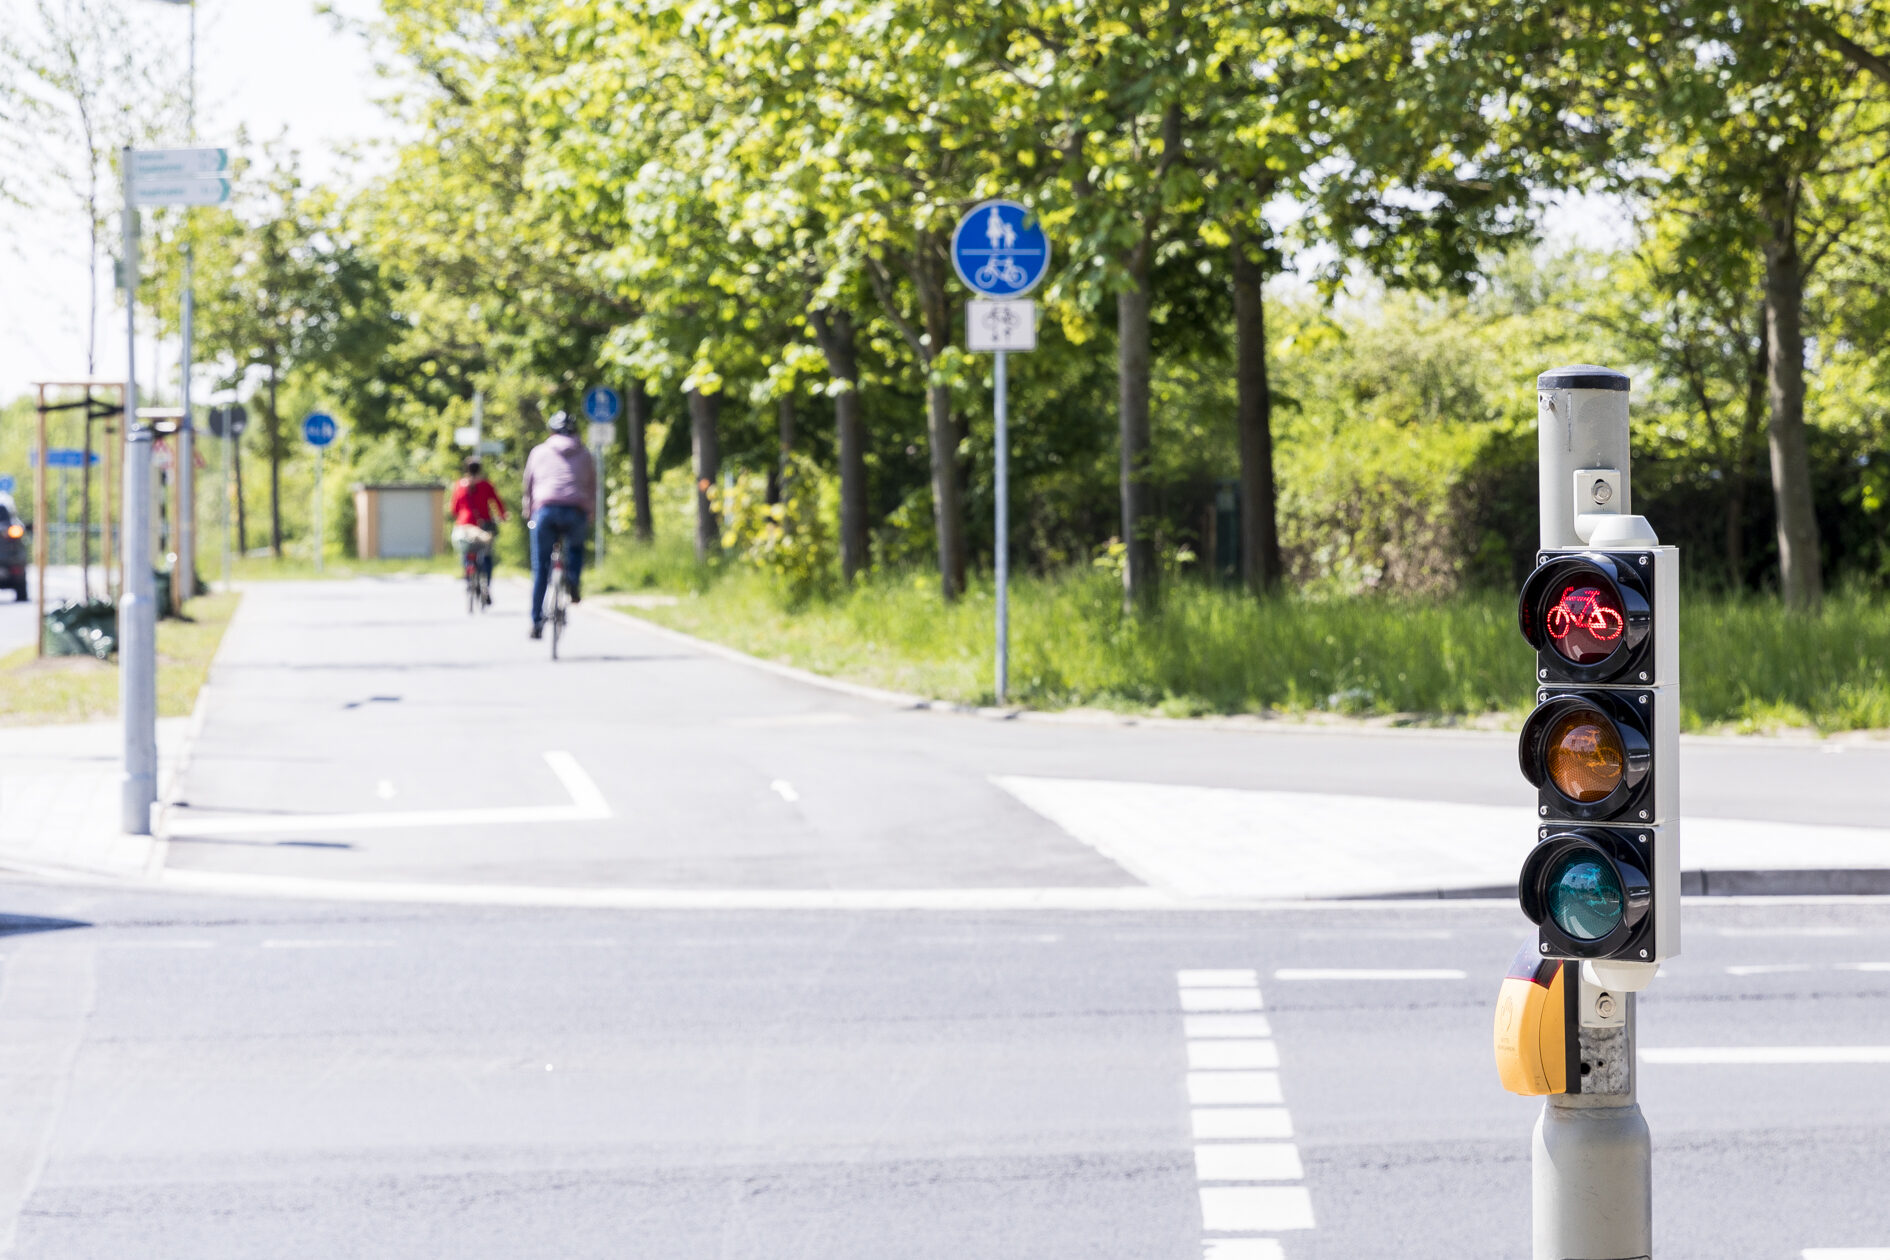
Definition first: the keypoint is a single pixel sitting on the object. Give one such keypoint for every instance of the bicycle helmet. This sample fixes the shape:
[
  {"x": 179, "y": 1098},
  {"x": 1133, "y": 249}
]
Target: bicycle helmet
[{"x": 561, "y": 422}]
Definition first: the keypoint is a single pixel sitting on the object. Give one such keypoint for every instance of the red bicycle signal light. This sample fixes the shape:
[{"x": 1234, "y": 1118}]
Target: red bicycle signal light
[{"x": 1589, "y": 617}]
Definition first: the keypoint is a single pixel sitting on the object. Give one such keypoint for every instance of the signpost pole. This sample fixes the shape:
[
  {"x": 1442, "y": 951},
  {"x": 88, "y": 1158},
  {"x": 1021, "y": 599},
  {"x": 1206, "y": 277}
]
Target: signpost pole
[
  {"x": 39, "y": 526},
  {"x": 318, "y": 508},
  {"x": 229, "y": 447},
  {"x": 137, "y": 620},
  {"x": 1003, "y": 533}
]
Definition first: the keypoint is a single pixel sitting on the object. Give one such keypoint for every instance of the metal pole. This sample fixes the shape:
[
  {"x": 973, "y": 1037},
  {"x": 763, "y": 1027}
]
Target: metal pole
[
  {"x": 1592, "y": 1158},
  {"x": 39, "y": 527},
  {"x": 597, "y": 516},
  {"x": 318, "y": 509},
  {"x": 137, "y": 613},
  {"x": 1003, "y": 535},
  {"x": 184, "y": 572},
  {"x": 229, "y": 484}
]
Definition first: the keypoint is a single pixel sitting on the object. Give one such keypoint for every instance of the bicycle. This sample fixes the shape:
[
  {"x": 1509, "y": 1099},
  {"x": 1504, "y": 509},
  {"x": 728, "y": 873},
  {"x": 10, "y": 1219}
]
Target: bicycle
[
  {"x": 1002, "y": 270},
  {"x": 557, "y": 596},
  {"x": 478, "y": 585}
]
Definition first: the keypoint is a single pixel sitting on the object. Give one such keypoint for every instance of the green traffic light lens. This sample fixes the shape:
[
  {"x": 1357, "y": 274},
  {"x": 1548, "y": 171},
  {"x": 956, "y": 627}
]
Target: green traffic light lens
[{"x": 1585, "y": 898}]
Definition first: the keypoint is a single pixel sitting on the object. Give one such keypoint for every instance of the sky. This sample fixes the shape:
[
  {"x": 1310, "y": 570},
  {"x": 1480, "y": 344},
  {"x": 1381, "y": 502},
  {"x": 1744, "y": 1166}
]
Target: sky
[{"x": 273, "y": 66}]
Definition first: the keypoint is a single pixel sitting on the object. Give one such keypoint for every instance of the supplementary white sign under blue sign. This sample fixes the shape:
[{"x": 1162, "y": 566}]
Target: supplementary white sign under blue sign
[
  {"x": 999, "y": 249},
  {"x": 319, "y": 428},
  {"x": 601, "y": 404}
]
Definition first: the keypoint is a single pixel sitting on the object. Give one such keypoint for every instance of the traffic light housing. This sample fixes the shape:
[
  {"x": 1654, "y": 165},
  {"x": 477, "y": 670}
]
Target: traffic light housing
[{"x": 1602, "y": 882}]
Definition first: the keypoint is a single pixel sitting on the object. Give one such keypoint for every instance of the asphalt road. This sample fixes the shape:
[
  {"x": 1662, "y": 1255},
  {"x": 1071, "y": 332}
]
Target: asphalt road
[
  {"x": 977, "y": 1074},
  {"x": 229, "y": 1078}
]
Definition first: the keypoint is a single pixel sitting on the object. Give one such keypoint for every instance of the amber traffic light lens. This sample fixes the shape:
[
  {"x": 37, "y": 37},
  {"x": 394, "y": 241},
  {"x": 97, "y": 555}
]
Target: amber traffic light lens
[
  {"x": 1585, "y": 623},
  {"x": 1585, "y": 757}
]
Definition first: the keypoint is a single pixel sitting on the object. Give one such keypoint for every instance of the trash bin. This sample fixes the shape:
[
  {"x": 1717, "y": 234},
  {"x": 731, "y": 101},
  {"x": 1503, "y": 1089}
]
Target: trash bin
[{"x": 83, "y": 629}]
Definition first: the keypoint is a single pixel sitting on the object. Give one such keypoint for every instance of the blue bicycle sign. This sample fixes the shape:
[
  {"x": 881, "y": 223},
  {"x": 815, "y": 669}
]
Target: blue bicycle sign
[
  {"x": 999, "y": 249},
  {"x": 319, "y": 429}
]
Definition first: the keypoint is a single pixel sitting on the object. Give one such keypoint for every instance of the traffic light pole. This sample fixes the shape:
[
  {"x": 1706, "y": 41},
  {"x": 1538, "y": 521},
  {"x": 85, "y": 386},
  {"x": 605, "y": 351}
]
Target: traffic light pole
[{"x": 1591, "y": 1155}]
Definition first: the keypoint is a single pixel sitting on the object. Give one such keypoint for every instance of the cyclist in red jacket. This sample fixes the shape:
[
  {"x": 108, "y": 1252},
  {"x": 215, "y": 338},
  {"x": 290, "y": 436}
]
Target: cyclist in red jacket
[{"x": 475, "y": 505}]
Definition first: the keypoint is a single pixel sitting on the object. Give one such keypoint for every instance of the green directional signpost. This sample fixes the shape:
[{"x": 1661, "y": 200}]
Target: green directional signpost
[{"x": 152, "y": 177}]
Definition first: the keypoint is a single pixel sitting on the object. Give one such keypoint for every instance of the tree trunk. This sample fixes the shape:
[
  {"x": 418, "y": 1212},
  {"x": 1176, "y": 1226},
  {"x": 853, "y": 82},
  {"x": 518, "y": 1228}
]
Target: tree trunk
[
  {"x": 784, "y": 443},
  {"x": 941, "y": 427},
  {"x": 635, "y": 434},
  {"x": 703, "y": 444},
  {"x": 242, "y": 513},
  {"x": 1260, "y": 565},
  {"x": 834, "y": 330},
  {"x": 1801, "y": 581},
  {"x": 1740, "y": 471},
  {"x": 275, "y": 469},
  {"x": 1132, "y": 378}
]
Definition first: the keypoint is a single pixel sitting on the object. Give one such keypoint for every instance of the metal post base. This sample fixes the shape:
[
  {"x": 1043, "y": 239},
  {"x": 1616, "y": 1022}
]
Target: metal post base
[{"x": 1593, "y": 1182}]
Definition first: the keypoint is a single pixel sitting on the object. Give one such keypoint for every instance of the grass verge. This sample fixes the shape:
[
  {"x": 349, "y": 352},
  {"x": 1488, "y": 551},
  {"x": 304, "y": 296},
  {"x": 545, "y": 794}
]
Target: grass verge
[
  {"x": 80, "y": 689},
  {"x": 1747, "y": 665}
]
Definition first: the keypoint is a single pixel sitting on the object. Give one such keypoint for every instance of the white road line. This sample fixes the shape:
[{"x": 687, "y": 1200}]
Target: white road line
[
  {"x": 587, "y": 805},
  {"x": 324, "y": 944},
  {"x": 385, "y": 789},
  {"x": 1194, "y": 1027},
  {"x": 1271, "y": 1208},
  {"x": 1209, "y": 1055},
  {"x": 1225, "y": 978},
  {"x": 1368, "y": 973},
  {"x": 1242, "y": 1249},
  {"x": 1211, "y": 1123},
  {"x": 156, "y": 944},
  {"x": 1864, "y": 966},
  {"x": 1220, "y": 999},
  {"x": 1767, "y": 969},
  {"x": 1248, "y": 1161},
  {"x": 785, "y": 790},
  {"x": 1737, "y": 932},
  {"x": 1205, "y": 1088},
  {"x": 1740, "y": 1056},
  {"x": 1847, "y": 1253}
]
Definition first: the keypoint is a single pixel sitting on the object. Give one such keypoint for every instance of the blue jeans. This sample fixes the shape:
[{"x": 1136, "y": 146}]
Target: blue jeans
[{"x": 550, "y": 523}]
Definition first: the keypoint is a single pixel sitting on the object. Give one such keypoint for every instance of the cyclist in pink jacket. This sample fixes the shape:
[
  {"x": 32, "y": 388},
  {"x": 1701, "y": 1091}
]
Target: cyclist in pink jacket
[{"x": 560, "y": 489}]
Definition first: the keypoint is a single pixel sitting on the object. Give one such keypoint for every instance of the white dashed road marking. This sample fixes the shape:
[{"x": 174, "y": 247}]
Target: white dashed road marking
[
  {"x": 785, "y": 790},
  {"x": 1847, "y": 1253},
  {"x": 1368, "y": 973},
  {"x": 1244, "y": 1136}
]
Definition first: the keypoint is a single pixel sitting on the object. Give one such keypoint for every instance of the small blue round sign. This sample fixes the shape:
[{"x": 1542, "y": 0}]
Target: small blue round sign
[
  {"x": 319, "y": 428},
  {"x": 601, "y": 404},
  {"x": 999, "y": 249}
]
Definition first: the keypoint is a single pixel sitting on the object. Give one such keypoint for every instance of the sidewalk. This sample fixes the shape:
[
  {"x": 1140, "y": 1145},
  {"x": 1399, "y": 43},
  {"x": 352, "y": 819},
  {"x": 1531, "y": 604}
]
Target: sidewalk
[{"x": 59, "y": 798}]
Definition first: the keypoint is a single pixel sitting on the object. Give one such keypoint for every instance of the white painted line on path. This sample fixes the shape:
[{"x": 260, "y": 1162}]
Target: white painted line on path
[
  {"x": 1248, "y": 1161},
  {"x": 234, "y": 883},
  {"x": 1864, "y": 966},
  {"x": 1205, "y": 1088},
  {"x": 1225, "y": 978},
  {"x": 384, "y": 789},
  {"x": 156, "y": 944},
  {"x": 1368, "y": 973},
  {"x": 1198, "y": 1026},
  {"x": 1270, "y": 1208},
  {"x": 1212, "y": 1055},
  {"x": 1220, "y": 999},
  {"x": 587, "y": 805},
  {"x": 1242, "y": 1249},
  {"x": 324, "y": 944},
  {"x": 785, "y": 790},
  {"x": 1847, "y": 1253},
  {"x": 1762, "y": 1056},
  {"x": 1211, "y": 1123},
  {"x": 1767, "y": 969}
]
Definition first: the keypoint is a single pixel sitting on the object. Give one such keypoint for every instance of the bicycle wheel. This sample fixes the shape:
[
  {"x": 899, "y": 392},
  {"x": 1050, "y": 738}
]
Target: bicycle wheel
[
  {"x": 472, "y": 590},
  {"x": 554, "y": 599}
]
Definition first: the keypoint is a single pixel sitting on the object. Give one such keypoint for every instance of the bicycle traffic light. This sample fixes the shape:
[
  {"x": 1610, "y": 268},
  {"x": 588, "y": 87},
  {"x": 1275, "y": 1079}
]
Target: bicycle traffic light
[{"x": 1603, "y": 880}]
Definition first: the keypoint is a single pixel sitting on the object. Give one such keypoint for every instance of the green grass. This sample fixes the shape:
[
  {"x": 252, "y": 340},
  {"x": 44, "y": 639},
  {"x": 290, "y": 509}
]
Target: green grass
[
  {"x": 302, "y": 568},
  {"x": 80, "y": 689},
  {"x": 1747, "y": 664}
]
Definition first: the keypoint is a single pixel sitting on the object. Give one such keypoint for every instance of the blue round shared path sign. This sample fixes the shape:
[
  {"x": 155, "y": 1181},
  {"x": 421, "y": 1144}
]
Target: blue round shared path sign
[
  {"x": 999, "y": 249},
  {"x": 601, "y": 404},
  {"x": 319, "y": 428}
]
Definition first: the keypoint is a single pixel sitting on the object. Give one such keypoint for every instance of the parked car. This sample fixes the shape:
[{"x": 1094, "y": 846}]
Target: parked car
[{"x": 15, "y": 555}]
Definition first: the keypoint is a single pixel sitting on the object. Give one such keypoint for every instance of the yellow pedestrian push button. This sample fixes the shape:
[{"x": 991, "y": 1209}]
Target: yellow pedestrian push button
[{"x": 1535, "y": 1025}]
